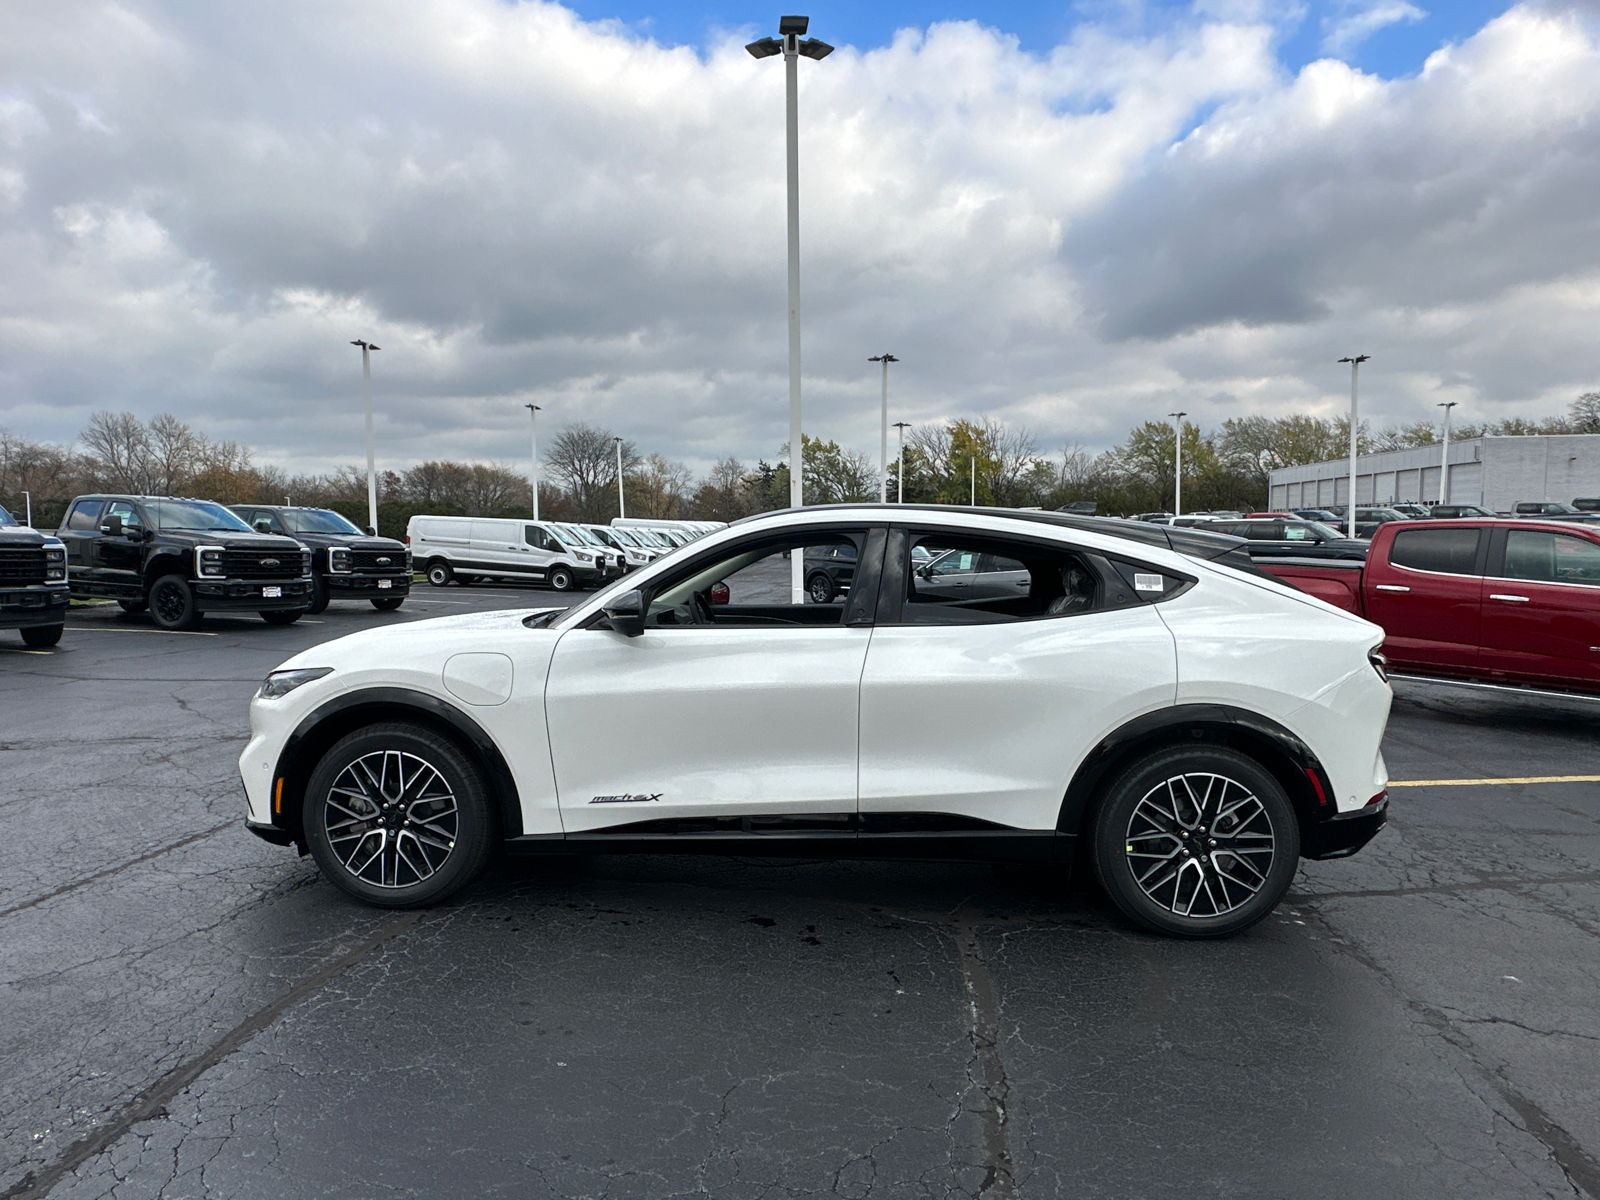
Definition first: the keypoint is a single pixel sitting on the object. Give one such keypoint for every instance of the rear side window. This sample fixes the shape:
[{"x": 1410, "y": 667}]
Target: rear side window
[
  {"x": 1551, "y": 558},
  {"x": 85, "y": 515},
  {"x": 1448, "y": 551}
]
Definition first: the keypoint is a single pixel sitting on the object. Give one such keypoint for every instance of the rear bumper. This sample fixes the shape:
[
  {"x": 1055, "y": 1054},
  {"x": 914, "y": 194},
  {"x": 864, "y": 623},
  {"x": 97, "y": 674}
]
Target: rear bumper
[
  {"x": 23, "y": 608},
  {"x": 368, "y": 585},
  {"x": 1342, "y": 835},
  {"x": 246, "y": 595}
]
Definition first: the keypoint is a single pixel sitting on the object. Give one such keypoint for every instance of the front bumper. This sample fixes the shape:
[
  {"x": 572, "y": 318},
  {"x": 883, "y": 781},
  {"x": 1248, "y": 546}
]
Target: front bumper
[
  {"x": 23, "y": 608},
  {"x": 1342, "y": 835},
  {"x": 368, "y": 585},
  {"x": 269, "y": 833},
  {"x": 249, "y": 595}
]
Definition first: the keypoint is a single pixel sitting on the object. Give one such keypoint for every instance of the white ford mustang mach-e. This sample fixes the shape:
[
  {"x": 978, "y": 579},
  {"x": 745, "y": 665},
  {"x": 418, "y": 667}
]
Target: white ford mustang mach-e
[{"x": 1135, "y": 691}]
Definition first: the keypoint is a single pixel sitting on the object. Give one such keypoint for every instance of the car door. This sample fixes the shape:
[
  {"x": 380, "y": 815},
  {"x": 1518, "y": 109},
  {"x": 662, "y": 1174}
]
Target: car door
[
  {"x": 983, "y": 714},
  {"x": 950, "y": 576},
  {"x": 1541, "y": 607},
  {"x": 539, "y": 549},
  {"x": 118, "y": 557},
  {"x": 79, "y": 532},
  {"x": 749, "y": 710},
  {"x": 1000, "y": 577},
  {"x": 1426, "y": 592}
]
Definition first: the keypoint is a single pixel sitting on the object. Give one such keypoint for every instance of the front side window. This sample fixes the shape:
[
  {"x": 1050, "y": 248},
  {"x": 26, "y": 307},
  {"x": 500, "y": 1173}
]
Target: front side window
[
  {"x": 751, "y": 585},
  {"x": 125, "y": 510},
  {"x": 1448, "y": 551},
  {"x": 967, "y": 581},
  {"x": 1551, "y": 558},
  {"x": 86, "y": 515},
  {"x": 538, "y": 538}
]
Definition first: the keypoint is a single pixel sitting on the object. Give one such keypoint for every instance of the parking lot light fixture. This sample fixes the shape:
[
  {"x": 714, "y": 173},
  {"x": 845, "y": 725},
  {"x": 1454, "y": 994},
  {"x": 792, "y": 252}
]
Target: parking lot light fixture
[
  {"x": 788, "y": 43},
  {"x": 27, "y": 498},
  {"x": 1444, "y": 461},
  {"x": 1177, "y": 464},
  {"x": 900, "y": 475},
  {"x": 372, "y": 469},
  {"x": 533, "y": 474},
  {"x": 622, "y": 504},
  {"x": 1355, "y": 362},
  {"x": 883, "y": 440}
]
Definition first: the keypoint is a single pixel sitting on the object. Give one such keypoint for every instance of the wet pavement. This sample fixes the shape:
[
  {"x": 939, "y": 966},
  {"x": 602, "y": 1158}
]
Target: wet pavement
[{"x": 187, "y": 1011}]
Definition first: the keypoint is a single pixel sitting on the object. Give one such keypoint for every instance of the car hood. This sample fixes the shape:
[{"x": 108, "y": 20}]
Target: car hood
[
  {"x": 355, "y": 541},
  {"x": 412, "y": 639},
  {"x": 21, "y": 535}
]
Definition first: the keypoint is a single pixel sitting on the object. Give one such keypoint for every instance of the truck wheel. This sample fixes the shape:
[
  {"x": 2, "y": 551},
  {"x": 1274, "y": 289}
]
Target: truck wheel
[
  {"x": 133, "y": 606},
  {"x": 388, "y": 603},
  {"x": 283, "y": 616},
  {"x": 319, "y": 595},
  {"x": 560, "y": 579},
  {"x": 40, "y": 636},
  {"x": 820, "y": 589},
  {"x": 439, "y": 573},
  {"x": 1195, "y": 841},
  {"x": 172, "y": 603},
  {"x": 466, "y": 580},
  {"x": 398, "y": 816}
]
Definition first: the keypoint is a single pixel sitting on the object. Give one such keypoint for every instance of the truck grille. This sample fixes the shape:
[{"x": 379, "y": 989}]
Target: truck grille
[
  {"x": 365, "y": 562},
  {"x": 262, "y": 564},
  {"x": 21, "y": 566}
]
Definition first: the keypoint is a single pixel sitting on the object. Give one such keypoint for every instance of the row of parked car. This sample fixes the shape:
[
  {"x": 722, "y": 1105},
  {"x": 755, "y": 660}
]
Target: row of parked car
[{"x": 179, "y": 558}]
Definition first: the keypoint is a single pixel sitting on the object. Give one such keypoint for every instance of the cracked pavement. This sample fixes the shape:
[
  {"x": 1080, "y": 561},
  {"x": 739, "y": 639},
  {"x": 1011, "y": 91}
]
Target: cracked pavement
[{"x": 188, "y": 1012}]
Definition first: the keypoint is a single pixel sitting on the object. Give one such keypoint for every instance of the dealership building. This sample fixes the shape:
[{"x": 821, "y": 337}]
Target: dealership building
[{"x": 1494, "y": 472}]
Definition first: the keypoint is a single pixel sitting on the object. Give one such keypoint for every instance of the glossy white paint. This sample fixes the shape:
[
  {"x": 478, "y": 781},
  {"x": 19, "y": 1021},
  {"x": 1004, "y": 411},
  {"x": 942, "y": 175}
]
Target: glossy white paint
[
  {"x": 479, "y": 677},
  {"x": 989, "y": 721},
  {"x": 747, "y": 720}
]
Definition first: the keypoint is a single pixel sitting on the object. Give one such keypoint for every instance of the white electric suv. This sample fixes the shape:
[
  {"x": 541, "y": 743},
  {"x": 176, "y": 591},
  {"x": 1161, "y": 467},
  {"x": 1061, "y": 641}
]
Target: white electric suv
[{"x": 1197, "y": 726}]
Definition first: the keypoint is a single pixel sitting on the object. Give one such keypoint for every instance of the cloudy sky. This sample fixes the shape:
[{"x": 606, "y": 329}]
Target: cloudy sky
[{"x": 1071, "y": 216}]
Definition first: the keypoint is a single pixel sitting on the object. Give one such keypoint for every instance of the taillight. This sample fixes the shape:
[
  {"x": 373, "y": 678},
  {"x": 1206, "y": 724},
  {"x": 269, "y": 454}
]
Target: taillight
[{"x": 408, "y": 539}]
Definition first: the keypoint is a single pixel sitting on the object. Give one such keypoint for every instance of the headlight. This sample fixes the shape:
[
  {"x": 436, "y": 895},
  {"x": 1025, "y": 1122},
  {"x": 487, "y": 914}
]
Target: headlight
[
  {"x": 582, "y": 557},
  {"x": 339, "y": 560},
  {"x": 281, "y": 683},
  {"x": 208, "y": 561},
  {"x": 55, "y": 562}
]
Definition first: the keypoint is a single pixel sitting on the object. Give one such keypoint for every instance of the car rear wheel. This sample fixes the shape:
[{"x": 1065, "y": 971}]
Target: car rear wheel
[
  {"x": 172, "y": 603},
  {"x": 1195, "y": 842},
  {"x": 560, "y": 579},
  {"x": 283, "y": 617},
  {"x": 388, "y": 603},
  {"x": 41, "y": 636},
  {"x": 319, "y": 595},
  {"x": 821, "y": 589},
  {"x": 440, "y": 574},
  {"x": 398, "y": 816}
]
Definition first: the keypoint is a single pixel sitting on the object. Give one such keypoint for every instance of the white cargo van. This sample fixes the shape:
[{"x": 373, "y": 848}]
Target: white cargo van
[{"x": 465, "y": 549}]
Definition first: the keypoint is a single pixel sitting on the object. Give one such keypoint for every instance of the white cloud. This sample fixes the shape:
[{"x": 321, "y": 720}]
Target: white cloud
[
  {"x": 1354, "y": 25},
  {"x": 521, "y": 206}
]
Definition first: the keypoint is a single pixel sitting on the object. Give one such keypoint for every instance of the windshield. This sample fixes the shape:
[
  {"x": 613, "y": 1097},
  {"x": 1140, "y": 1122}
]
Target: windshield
[
  {"x": 621, "y": 535},
  {"x": 646, "y": 538},
  {"x": 587, "y": 535},
  {"x": 567, "y": 536},
  {"x": 194, "y": 514},
  {"x": 1325, "y": 531},
  {"x": 6, "y": 518},
  {"x": 318, "y": 520}
]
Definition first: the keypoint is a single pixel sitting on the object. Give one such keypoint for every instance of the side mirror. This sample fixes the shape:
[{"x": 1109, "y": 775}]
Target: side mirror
[
  {"x": 924, "y": 572},
  {"x": 720, "y": 593},
  {"x": 625, "y": 612},
  {"x": 113, "y": 526},
  {"x": 263, "y": 525},
  {"x": 369, "y": 531}
]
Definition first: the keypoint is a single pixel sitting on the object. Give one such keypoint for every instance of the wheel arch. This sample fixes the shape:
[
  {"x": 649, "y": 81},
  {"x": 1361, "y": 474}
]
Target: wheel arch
[
  {"x": 165, "y": 562},
  {"x": 1280, "y": 752},
  {"x": 341, "y": 715}
]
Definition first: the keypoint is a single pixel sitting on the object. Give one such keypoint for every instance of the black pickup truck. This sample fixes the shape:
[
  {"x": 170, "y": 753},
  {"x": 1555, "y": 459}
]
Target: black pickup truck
[
  {"x": 182, "y": 559},
  {"x": 33, "y": 583},
  {"x": 346, "y": 564}
]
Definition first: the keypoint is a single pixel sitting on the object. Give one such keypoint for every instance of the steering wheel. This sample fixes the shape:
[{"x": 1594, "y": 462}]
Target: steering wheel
[{"x": 701, "y": 609}]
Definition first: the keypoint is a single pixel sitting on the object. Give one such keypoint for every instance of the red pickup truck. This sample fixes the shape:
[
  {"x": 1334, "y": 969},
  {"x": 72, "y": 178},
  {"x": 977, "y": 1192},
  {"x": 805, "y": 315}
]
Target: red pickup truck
[{"x": 1497, "y": 601}]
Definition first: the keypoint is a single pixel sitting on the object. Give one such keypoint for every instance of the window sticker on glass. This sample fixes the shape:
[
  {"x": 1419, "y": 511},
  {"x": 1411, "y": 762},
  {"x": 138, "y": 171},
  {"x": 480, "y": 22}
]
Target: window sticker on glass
[{"x": 1147, "y": 583}]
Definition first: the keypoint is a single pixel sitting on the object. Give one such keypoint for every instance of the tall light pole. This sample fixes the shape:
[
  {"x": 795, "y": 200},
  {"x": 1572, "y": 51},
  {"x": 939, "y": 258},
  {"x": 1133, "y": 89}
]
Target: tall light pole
[
  {"x": 27, "y": 498},
  {"x": 1444, "y": 463},
  {"x": 790, "y": 30},
  {"x": 372, "y": 463},
  {"x": 1177, "y": 464},
  {"x": 622, "y": 505},
  {"x": 900, "y": 475},
  {"x": 533, "y": 473},
  {"x": 1355, "y": 369},
  {"x": 883, "y": 441},
  {"x": 972, "y": 466}
]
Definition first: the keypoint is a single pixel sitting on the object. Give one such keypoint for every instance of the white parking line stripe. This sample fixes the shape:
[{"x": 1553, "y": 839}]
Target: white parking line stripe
[
  {"x": 1394, "y": 783},
  {"x": 168, "y": 632}
]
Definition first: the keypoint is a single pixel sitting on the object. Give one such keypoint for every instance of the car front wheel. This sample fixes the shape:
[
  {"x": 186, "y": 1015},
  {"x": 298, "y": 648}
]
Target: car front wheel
[
  {"x": 1195, "y": 842},
  {"x": 41, "y": 636},
  {"x": 440, "y": 574},
  {"x": 561, "y": 579},
  {"x": 398, "y": 816},
  {"x": 821, "y": 589},
  {"x": 387, "y": 603},
  {"x": 319, "y": 596},
  {"x": 172, "y": 603},
  {"x": 282, "y": 616}
]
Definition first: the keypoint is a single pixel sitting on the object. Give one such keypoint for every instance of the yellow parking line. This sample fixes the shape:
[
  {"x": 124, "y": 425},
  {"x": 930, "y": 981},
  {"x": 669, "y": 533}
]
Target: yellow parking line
[{"x": 1394, "y": 783}]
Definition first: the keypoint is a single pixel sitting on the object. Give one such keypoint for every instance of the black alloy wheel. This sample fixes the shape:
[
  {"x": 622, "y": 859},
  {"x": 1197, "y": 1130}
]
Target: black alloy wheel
[
  {"x": 41, "y": 636},
  {"x": 821, "y": 589},
  {"x": 1195, "y": 841},
  {"x": 319, "y": 595},
  {"x": 172, "y": 603},
  {"x": 439, "y": 573},
  {"x": 387, "y": 603},
  {"x": 133, "y": 606},
  {"x": 283, "y": 616},
  {"x": 560, "y": 578},
  {"x": 398, "y": 816}
]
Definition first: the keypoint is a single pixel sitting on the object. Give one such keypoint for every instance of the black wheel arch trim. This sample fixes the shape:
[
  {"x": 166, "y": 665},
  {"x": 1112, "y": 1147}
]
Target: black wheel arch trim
[
  {"x": 1279, "y": 751},
  {"x": 344, "y": 714}
]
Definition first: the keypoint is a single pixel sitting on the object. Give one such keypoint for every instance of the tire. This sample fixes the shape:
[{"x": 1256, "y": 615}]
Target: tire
[
  {"x": 172, "y": 603},
  {"x": 820, "y": 588},
  {"x": 404, "y": 857},
  {"x": 41, "y": 636},
  {"x": 1156, "y": 839},
  {"x": 388, "y": 603},
  {"x": 319, "y": 596},
  {"x": 133, "y": 606},
  {"x": 439, "y": 573},
  {"x": 466, "y": 580},
  {"x": 283, "y": 616},
  {"x": 560, "y": 578}
]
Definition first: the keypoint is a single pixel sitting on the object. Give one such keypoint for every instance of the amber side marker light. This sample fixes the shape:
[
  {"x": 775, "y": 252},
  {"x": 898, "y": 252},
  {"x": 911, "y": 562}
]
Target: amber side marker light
[{"x": 277, "y": 798}]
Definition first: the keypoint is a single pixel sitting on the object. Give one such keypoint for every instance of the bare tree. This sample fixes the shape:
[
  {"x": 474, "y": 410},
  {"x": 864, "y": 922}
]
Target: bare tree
[
  {"x": 120, "y": 449},
  {"x": 583, "y": 458},
  {"x": 173, "y": 454}
]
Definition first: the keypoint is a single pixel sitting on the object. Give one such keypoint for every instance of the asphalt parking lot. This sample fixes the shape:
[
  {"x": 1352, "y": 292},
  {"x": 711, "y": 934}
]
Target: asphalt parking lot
[{"x": 187, "y": 1011}]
